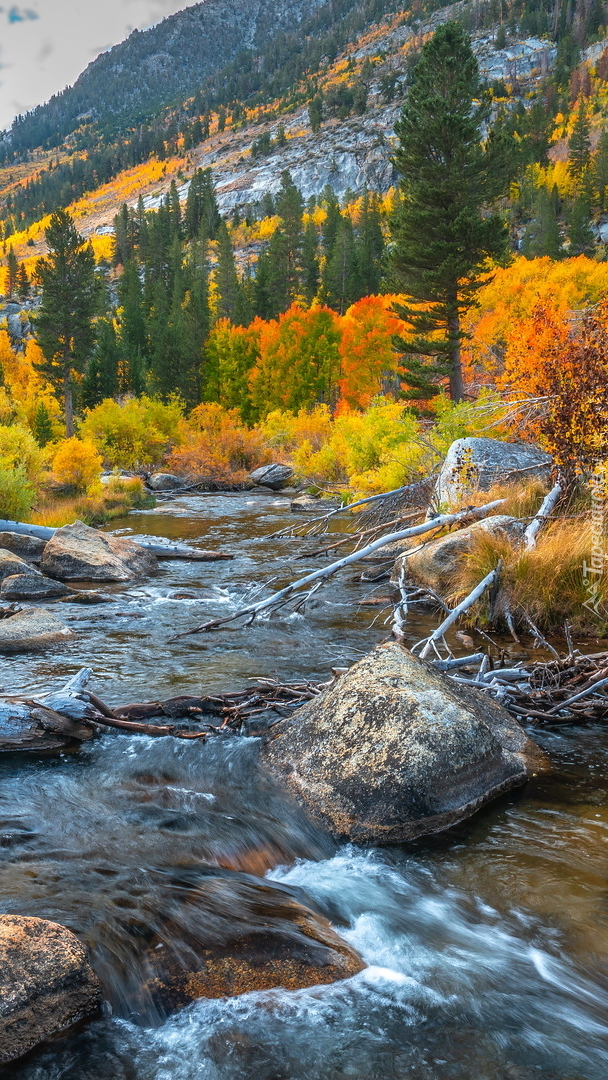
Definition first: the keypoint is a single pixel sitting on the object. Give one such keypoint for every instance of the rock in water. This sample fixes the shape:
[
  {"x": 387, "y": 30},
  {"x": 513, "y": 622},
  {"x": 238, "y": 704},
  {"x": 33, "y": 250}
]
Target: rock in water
[
  {"x": 78, "y": 553},
  {"x": 272, "y": 476},
  {"x": 476, "y": 464},
  {"x": 164, "y": 481},
  {"x": 11, "y": 564},
  {"x": 435, "y": 563},
  {"x": 46, "y": 983},
  {"x": 28, "y": 547},
  {"x": 396, "y": 750},
  {"x": 31, "y": 629},
  {"x": 32, "y": 587}
]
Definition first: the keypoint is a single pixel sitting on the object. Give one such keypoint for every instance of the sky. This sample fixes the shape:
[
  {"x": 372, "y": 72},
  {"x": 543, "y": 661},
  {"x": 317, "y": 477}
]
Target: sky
[{"x": 45, "y": 44}]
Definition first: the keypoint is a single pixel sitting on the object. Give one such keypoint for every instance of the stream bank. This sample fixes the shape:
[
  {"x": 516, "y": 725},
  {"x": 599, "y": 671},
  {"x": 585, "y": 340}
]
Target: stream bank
[{"x": 485, "y": 949}]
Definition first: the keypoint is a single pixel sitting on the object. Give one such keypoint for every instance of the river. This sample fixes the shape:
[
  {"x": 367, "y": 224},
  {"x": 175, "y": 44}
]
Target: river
[{"x": 486, "y": 948}]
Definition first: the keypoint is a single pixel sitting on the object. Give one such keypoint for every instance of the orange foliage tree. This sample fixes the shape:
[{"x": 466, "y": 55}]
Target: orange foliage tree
[
  {"x": 367, "y": 353},
  {"x": 216, "y": 444},
  {"x": 564, "y": 362}
]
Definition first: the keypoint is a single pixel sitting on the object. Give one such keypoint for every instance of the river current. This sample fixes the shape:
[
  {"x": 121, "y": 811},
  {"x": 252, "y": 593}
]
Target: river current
[{"x": 486, "y": 948}]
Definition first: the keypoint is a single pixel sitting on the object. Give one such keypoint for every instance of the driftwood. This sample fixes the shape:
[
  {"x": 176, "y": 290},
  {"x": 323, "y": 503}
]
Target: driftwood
[
  {"x": 542, "y": 516},
  {"x": 162, "y": 551},
  {"x": 278, "y": 599},
  {"x": 437, "y": 635},
  {"x": 62, "y": 719},
  {"x": 411, "y": 494}
]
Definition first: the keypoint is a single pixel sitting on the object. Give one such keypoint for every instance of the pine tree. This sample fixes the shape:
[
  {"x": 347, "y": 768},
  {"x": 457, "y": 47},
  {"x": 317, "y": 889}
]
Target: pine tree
[
  {"x": 232, "y": 301},
  {"x": 580, "y": 233},
  {"x": 12, "y": 268},
  {"x": 132, "y": 337},
  {"x": 542, "y": 235},
  {"x": 310, "y": 261},
  {"x": 64, "y": 324},
  {"x": 42, "y": 428},
  {"x": 340, "y": 275},
  {"x": 23, "y": 281},
  {"x": 101, "y": 378},
  {"x": 600, "y": 170},
  {"x": 442, "y": 233},
  {"x": 369, "y": 246},
  {"x": 579, "y": 146},
  {"x": 283, "y": 268}
]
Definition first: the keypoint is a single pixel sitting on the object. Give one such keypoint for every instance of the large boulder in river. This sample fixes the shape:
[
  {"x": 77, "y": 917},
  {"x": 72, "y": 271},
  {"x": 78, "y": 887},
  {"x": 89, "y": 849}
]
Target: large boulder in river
[
  {"x": 78, "y": 553},
  {"x": 274, "y": 476},
  {"x": 436, "y": 563},
  {"x": 46, "y": 983},
  {"x": 476, "y": 464},
  {"x": 395, "y": 750},
  {"x": 32, "y": 587},
  {"x": 30, "y": 630}
]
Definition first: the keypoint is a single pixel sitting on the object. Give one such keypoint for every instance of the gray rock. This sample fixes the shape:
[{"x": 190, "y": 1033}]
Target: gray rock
[
  {"x": 164, "y": 481},
  {"x": 308, "y": 504},
  {"x": 32, "y": 587},
  {"x": 15, "y": 327},
  {"x": 78, "y": 553},
  {"x": 28, "y": 547},
  {"x": 11, "y": 564},
  {"x": 272, "y": 476},
  {"x": 438, "y": 561},
  {"x": 31, "y": 629},
  {"x": 395, "y": 750},
  {"x": 46, "y": 983},
  {"x": 476, "y": 464}
]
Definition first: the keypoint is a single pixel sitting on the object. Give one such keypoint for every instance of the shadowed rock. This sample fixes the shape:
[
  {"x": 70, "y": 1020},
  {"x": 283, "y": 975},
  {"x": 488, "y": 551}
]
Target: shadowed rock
[
  {"x": 32, "y": 629},
  {"x": 11, "y": 564},
  {"x": 395, "y": 750},
  {"x": 28, "y": 547},
  {"x": 272, "y": 476},
  {"x": 46, "y": 983},
  {"x": 164, "y": 482},
  {"x": 78, "y": 553},
  {"x": 32, "y": 587}
]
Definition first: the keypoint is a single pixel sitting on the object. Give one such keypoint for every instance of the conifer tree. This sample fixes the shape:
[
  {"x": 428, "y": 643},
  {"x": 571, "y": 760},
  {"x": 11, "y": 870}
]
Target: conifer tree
[
  {"x": 600, "y": 170},
  {"x": 580, "y": 233},
  {"x": 285, "y": 249},
  {"x": 310, "y": 261},
  {"x": 101, "y": 378},
  {"x": 369, "y": 246},
  {"x": 133, "y": 339},
  {"x": 23, "y": 281},
  {"x": 64, "y": 324},
  {"x": 542, "y": 234},
  {"x": 579, "y": 145},
  {"x": 232, "y": 300},
  {"x": 340, "y": 277},
  {"x": 12, "y": 267},
  {"x": 42, "y": 428},
  {"x": 442, "y": 232}
]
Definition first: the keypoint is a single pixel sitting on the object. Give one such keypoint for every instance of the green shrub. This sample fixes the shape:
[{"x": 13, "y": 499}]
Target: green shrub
[{"x": 17, "y": 494}]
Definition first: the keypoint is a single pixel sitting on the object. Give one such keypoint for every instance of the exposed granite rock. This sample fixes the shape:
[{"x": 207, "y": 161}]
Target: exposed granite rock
[
  {"x": 395, "y": 750},
  {"x": 436, "y": 563},
  {"x": 27, "y": 547},
  {"x": 272, "y": 476},
  {"x": 78, "y": 553},
  {"x": 476, "y": 464},
  {"x": 164, "y": 482},
  {"x": 30, "y": 630},
  {"x": 12, "y": 564},
  {"x": 46, "y": 983},
  {"x": 32, "y": 587}
]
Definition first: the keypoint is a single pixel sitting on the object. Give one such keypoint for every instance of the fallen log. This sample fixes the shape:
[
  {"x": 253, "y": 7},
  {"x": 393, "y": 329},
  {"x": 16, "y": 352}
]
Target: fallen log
[
  {"x": 171, "y": 550},
  {"x": 429, "y": 643},
  {"x": 542, "y": 516}
]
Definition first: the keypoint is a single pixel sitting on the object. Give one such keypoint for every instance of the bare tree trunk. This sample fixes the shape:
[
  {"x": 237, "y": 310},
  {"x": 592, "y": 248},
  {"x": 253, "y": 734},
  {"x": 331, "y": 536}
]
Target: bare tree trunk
[{"x": 456, "y": 380}]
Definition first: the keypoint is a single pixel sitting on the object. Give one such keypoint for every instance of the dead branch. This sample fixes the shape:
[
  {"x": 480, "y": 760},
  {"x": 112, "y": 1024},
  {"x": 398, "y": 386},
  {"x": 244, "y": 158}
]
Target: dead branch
[
  {"x": 543, "y": 515},
  {"x": 281, "y": 597},
  {"x": 437, "y": 635}
]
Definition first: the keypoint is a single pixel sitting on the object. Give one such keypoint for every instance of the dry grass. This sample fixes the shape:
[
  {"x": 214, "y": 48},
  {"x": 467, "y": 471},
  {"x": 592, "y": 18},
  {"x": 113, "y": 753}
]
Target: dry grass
[
  {"x": 522, "y": 500},
  {"x": 547, "y": 583},
  {"x": 118, "y": 497}
]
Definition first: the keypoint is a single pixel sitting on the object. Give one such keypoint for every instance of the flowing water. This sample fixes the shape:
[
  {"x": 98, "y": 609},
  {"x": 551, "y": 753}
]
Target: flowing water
[{"x": 486, "y": 949}]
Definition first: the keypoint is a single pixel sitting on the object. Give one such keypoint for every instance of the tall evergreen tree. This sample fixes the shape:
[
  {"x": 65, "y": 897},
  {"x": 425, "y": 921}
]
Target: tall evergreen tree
[
  {"x": 101, "y": 378},
  {"x": 341, "y": 285},
  {"x": 132, "y": 336},
  {"x": 369, "y": 246},
  {"x": 12, "y": 271},
  {"x": 579, "y": 145},
  {"x": 442, "y": 232},
  {"x": 232, "y": 300},
  {"x": 64, "y": 324},
  {"x": 600, "y": 170},
  {"x": 542, "y": 233},
  {"x": 310, "y": 261}
]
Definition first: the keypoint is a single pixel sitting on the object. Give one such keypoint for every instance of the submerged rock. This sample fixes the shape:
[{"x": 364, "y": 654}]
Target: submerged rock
[
  {"x": 476, "y": 464},
  {"x": 31, "y": 629},
  {"x": 395, "y": 750},
  {"x": 78, "y": 553},
  {"x": 292, "y": 948},
  {"x": 436, "y": 563},
  {"x": 28, "y": 547},
  {"x": 46, "y": 983},
  {"x": 32, "y": 587},
  {"x": 272, "y": 476}
]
